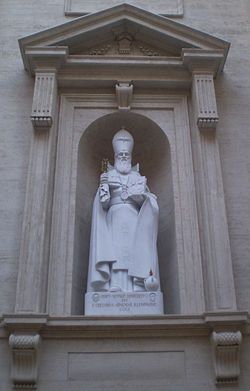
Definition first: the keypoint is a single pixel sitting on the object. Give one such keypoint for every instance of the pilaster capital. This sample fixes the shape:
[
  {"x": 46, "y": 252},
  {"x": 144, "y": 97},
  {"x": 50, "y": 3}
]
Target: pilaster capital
[
  {"x": 203, "y": 61},
  {"x": 44, "y": 58},
  {"x": 204, "y": 100},
  {"x": 44, "y": 62},
  {"x": 44, "y": 98},
  {"x": 204, "y": 65}
]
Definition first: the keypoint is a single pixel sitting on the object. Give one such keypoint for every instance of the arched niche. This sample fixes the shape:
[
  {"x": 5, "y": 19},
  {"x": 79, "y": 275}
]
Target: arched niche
[
  {"x": 204, "y": 268},
  {"x": 152, "y": 152}
]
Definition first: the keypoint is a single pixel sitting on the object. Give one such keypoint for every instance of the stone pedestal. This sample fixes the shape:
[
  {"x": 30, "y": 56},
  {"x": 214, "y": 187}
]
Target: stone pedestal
[{"x": 123, "y": 303}]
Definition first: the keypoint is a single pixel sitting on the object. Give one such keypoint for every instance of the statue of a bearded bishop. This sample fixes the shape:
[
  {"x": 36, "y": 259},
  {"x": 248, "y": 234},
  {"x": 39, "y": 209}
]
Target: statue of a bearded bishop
[{"x": 124, "y": 229}]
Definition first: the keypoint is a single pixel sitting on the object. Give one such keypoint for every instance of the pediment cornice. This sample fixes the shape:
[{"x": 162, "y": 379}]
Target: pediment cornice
[
  {"x": 155, "y": 50},
  {"x": 152, "y": 41}
]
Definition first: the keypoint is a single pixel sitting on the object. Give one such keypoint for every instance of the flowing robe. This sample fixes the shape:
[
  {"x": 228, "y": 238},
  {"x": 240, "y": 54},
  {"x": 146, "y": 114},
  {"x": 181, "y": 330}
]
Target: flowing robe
[{"x": 123, "y": 232}]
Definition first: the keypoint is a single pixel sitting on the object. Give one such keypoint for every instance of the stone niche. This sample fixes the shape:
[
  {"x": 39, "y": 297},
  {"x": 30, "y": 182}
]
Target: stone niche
[
  {"x": 160, "y": 126},
  {"x": 82, "y": 96},
  {"x": 162, "y": 91},
  {"x": 152, "y": 152}
]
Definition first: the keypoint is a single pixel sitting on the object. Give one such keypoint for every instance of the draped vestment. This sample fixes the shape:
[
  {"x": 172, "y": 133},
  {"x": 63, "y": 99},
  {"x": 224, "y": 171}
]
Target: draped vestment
[{"x": 124, "y": 232}]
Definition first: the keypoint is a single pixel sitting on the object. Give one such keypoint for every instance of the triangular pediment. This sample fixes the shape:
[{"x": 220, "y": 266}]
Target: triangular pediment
[
  {"x": 123, "y": 44},
  {"x": 104, "y": 34}
]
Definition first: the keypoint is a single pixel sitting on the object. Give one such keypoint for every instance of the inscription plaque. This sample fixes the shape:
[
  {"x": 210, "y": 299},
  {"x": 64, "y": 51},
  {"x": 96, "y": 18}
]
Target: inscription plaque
[
  {"x": 120, "y": 303},
  {"x": 164, "y": 7}
]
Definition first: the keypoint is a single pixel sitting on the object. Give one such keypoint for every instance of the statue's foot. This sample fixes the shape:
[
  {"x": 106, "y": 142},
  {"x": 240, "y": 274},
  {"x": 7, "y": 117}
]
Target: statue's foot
[{"x": 114, "y": 289}]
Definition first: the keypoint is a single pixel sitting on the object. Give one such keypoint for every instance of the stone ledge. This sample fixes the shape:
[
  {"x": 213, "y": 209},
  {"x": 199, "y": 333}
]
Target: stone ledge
[
  {"x": 24, "y": 322},
  {"x": 230, "y": 320},
  {"x": 129, "y": 326}
]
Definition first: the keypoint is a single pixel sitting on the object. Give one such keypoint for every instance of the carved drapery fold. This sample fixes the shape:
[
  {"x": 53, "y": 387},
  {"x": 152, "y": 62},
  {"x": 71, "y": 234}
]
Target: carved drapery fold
[
  {"x": 24, "y": 368},
  {"x": 226, "y": 346}
]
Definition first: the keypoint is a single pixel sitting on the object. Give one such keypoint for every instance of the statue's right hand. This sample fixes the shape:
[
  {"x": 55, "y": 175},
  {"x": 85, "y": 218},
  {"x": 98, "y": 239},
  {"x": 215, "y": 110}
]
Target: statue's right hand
[
  {"x": 104, "y": 177},
  {"x": 104, "y": 194}
]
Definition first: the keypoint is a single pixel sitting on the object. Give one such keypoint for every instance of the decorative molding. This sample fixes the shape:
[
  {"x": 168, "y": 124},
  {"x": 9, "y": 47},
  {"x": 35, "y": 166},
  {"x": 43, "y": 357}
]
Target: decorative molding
[
  {"x": 115, "y": 326},
  {"x": 204, "y": 60},
  {"x": 226, "y": 346},
  {"x": 171, "y": 8},
  {"x": 125, "y": 45},
  {"x": 155, "y": 59},
  {"x": 124, "y": 41},
  {"x": 204, "y": 65},
  {"x": 204, "y": 97},
  {"x": 24, "y": 368},
  {"x": 149, "y": 51},
  {"x": 124, "y": 95},
  {"x": 82, "y": 34},
  {"x": 44, "y": 58},
  {"x": 44, "y": 98},
  {"x": 100, "y": 51}
]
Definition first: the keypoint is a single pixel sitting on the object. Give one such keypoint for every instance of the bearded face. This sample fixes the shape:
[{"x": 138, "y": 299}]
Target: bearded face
[{"x": 123, "y": 162}]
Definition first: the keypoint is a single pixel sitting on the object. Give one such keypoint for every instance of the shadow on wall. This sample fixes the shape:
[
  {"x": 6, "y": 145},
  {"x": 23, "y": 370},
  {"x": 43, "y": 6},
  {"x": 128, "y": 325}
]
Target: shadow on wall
[{"x": 152, "y": 152}]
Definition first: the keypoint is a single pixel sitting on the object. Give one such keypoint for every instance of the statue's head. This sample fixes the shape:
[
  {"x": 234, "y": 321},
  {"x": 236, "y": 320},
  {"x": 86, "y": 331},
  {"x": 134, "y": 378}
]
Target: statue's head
[
  {"x": 123, "y": 141},
  {"x": 123, "y": 144}
]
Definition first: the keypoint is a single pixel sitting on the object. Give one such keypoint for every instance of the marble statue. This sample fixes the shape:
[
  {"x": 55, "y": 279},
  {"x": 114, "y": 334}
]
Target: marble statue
[{"x": 123, "y": 254}]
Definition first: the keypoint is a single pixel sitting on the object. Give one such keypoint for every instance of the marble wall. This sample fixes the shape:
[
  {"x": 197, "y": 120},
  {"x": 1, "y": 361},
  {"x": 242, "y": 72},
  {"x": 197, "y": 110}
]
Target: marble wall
[{"x": 227, "y": 19}]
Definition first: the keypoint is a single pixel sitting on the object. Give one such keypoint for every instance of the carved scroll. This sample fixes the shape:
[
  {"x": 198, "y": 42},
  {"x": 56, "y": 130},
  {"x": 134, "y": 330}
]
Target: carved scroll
[
  {"x": 226, "y": 346},
  {"x": 24, "y": 360}
]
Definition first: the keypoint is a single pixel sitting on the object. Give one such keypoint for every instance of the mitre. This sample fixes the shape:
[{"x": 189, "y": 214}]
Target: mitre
[{"x": 123, "y": 141}]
